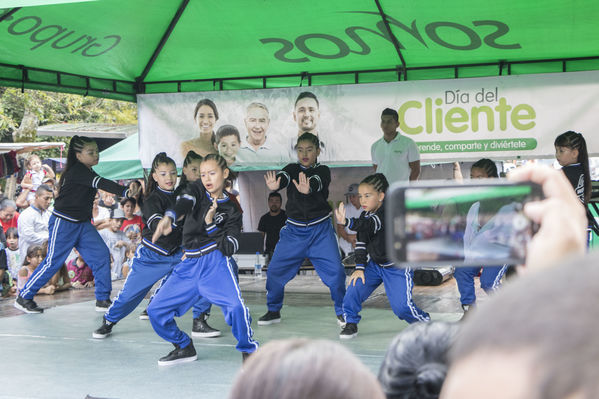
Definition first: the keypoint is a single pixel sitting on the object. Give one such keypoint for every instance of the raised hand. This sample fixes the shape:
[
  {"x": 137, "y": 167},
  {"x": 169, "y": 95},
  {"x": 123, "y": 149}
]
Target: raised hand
[
  {"x": 272, "y": 182},
  {"x": 340, "y": 213},
  {"x": 163, "y": 228},
  {"x": 211, "y": 211},
  {"x": 303, "y": 186}
]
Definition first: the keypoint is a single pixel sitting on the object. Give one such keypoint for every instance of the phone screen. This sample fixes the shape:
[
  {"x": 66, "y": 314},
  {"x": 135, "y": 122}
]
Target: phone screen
[{"x": 464, "y": 225}]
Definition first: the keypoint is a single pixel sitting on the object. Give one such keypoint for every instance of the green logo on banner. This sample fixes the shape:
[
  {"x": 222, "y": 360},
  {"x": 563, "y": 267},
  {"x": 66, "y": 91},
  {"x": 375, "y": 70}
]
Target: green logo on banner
[{"x": 437, "y": 147}]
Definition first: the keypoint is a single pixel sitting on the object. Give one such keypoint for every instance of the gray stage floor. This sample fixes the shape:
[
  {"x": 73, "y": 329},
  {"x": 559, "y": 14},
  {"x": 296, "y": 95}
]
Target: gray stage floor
[{"x": 52, "y": 355}]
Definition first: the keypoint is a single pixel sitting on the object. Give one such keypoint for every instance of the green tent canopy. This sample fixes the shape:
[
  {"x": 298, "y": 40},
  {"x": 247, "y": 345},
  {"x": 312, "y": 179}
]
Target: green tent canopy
[
  {"x": 117, "y": 49},
  {"x": 121, "y": 161}
]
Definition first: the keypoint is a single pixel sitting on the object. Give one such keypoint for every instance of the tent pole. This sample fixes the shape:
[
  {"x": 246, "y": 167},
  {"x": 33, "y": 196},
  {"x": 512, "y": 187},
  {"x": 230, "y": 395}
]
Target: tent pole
[
  {"x": 391, "y": 35},
  {"x": 8, "y": 14}
]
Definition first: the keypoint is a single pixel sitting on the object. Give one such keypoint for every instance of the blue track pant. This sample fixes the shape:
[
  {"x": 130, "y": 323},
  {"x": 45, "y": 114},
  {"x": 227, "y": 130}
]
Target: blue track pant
[
  {"x": 146, "y": 269},
  {"x": 490, "y": 280},
  {"x": 317, "y": 243},
  {"x": 63, "y": 237},
  {"x": 212, "y": 277},
  {"x": 203, "y": 305},
  {"x": 398, "y": 287}
]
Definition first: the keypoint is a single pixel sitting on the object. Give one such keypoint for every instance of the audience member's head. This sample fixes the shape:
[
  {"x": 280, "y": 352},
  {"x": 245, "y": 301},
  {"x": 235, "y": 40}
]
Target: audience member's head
[
  {"x": 274, "y": 202},
  {"x": 416, "y": 362},
  {"x": 304, "y": 369},
  {"x": 12, "y": 238},
  {"x": 7, "y": 210},
  {"x": 43, "y": 197},
  {"x": 536, "y": 339},
  {"x": 116, "y": 220},
  {"x": 128, "y": 206}
]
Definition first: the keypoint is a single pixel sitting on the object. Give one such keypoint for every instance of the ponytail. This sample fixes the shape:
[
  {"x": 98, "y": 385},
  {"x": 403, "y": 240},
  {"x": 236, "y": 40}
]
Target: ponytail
[
  {"x": 576, "y": 141},
  {"x": 75, "y": 146},
  {"x": 160, "y": 159}
]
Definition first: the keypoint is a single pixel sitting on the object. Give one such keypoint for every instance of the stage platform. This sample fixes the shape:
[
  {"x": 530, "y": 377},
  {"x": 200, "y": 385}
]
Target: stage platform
[{"x": 52, "y": 355}]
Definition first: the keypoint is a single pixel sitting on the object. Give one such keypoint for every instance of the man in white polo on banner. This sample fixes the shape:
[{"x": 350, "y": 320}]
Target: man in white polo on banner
[{"x": 394, "y": 155}]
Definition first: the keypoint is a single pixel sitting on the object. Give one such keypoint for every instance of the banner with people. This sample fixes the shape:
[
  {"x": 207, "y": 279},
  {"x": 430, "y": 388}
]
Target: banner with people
[{"x": 504, "y": 117}]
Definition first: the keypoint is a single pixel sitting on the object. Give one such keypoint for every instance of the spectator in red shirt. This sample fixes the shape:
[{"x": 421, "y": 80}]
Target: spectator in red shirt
[
  {"x": 128, "y": 205},
  {"x": 8, "y": 214}
]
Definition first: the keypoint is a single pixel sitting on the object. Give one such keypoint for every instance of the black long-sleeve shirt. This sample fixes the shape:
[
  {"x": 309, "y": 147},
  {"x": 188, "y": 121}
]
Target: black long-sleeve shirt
[
  {"x": 153, "y": 209},
  {"x": 370, "y": 238},
  {"x": 308, "y": 208},
  {"x": 198, "y": 237},
  {"x": 76, "y": 196}
]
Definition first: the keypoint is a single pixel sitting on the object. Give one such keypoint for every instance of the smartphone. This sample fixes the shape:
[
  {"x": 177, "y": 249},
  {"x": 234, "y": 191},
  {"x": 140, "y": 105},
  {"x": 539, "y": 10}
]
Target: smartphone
[{"x": 476, "y": 223}]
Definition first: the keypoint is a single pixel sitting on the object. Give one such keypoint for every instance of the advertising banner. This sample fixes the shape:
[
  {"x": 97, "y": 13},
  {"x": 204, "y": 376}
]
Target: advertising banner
[{"x": 459, "y": 119}]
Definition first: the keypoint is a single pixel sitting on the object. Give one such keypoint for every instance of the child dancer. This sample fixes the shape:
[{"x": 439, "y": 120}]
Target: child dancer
[
  {"x": 210, "y": 233},
  {"x": 308, "y": 232},
  {"x": 70, "y": 226},
  {"x": 153, "y": 260},
  {"x": 369, "y": 274},
  {"x": 571, "y": 153},
  {"x": 490, "y": 277}
]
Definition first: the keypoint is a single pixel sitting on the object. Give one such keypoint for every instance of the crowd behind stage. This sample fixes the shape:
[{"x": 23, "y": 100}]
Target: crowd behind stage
[{"x": 504, "y": 349}]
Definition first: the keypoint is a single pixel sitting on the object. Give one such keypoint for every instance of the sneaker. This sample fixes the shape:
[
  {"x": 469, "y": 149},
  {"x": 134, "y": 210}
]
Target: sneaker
[
  {"x": 27, "y": 305},
  {"x": 201, "y": 329},
  {"x": 179, "y": 355},
  {"x": 467, "y": 309},
  {"x": 102, "y": 306},
  {"x": 349, "y": 331},
  {"x": 341, "y": 320},
  {"x": 144, "y": 315},
  {"x": 104, "y": 330},
  {"x": 269, "y": 318}
]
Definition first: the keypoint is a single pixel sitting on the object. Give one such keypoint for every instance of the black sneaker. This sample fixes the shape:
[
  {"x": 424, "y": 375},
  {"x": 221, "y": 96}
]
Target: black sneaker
[
  {"x": 144, "y": 315},
  {"x": 201, "y": 329},
  {"x": 269, "y": 318},
  {"x": 179, "y": 355},
  {"x": 341, "y": 320},
  {"x": 27, "y": 305},
  {"x": 104, "y": 330},
  {"x": 349, "y": 331},
  {"x": 102, "y": 306}
]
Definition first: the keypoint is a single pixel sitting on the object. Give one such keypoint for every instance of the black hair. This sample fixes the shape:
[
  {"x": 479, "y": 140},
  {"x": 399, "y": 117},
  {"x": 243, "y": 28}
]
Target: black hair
[
  {"x": 391, "y": 112},
  {"x": 309, "y": 137},
  {"x": 43, "y": 188},
  {"x": 416, "y": 364},
  {"x": 189, "y": 158},
  {"x": 227, "y": 130},
  {"x": 75, "y": 146},
  {"x": 12, "y": 231},
  {"x": 31, "y": 252},
  {"x": 140, "y": 196},
  {"x": 378, "y": 181},
  {"x": 274, "y": 194},
  {"x": 212, "y": 105},
  {"x": 487, "y": 166},
  {"x": 576, "y": 141},
  {"x": 159, "y": 159},
  {"x": 220, "y": 161},
  {"x": 306, "y": 94},
  {"x": 128, "y": 199}
]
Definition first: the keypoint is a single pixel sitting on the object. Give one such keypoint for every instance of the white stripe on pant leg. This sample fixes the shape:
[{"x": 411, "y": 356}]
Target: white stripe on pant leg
[
  {"x": 49, "y": 256},
  {"x": 249, "y": 330},
  {"x": 409, "y": 296},
  {"x": 498, "y": 277}
]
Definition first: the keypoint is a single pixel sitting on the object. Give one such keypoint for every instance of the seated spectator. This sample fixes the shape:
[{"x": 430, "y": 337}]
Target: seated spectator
[
  {"x": 32, "y": 260},
  {"x": 138, "y": 187},
  {"x": 33, "y": 221},
  {"x": 416, "y": 363},
  {"x": 8, "y": 214},
  {"x": 128, "y": 206},
  {"x": 116, "y": 241},
  {"x": 80, "y": 273},
  {"x": 129, "y": 255},
  {"x": 100, "y": 215},
  {"x": 305, "y": 369},
  {"x": 13, "y": 255}
]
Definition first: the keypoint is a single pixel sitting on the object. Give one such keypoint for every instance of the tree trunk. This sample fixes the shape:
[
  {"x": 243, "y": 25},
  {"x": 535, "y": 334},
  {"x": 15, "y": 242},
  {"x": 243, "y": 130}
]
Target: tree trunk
[{"x": 27, "y": 129}]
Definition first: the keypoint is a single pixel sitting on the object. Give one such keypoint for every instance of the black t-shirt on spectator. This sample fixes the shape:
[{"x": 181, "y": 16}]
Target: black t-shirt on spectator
[{"x": 271, "y": 226}]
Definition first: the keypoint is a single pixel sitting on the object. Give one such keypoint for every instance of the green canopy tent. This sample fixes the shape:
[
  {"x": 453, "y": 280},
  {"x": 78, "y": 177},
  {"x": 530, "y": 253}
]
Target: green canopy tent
[
  {"x": 117, "y": 49},
  {"x": 121, "y": 161}
]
